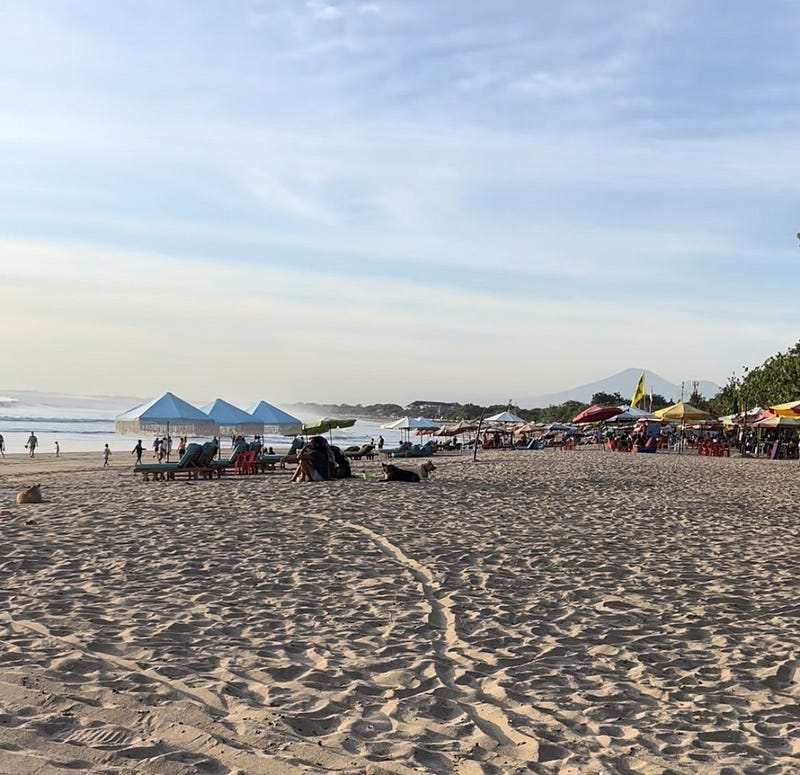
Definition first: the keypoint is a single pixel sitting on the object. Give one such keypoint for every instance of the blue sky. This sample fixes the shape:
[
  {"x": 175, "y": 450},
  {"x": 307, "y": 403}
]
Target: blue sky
[{"x": 382, "y": 201}]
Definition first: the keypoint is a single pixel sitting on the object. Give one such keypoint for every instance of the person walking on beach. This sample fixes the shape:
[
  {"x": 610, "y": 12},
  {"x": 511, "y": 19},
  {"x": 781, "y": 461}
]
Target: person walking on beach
[
  {"x": 58, "y": 449},
  {"x": 137, "y": 450},
  {"x": 2, "y": 445},
  {"x": 106, "y": 456},
  {"x": 33, "y": 442},
  {"x": 380, "y": 442}
]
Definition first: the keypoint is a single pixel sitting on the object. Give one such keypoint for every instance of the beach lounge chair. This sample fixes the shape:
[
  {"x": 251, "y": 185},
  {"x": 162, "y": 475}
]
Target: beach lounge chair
[
  {"x": 425, "y": 450},
  {"x": 267, "y": 462},
  {"x": 220, "y": 466},
  {"x": 401, "y": 451},
  {"x": 188, "y": 463},
  {"x": 365, "y": 450},
  {"x": 532, "y": 444}
]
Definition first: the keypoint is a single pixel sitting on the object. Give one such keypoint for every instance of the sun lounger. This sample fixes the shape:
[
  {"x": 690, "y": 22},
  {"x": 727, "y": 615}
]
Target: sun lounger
[
  {"x": 220, "y": 466},
  {"x": 267, "y": 462},
  {"x": 194, "y": 463},
  {"x": 425, "y": 450},
  {"x": 365, "y": 450},
  {"x": 401, "y": 451}
]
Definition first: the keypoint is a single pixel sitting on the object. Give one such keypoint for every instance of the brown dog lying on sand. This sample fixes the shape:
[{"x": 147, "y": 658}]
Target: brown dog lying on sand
[
  {"x": 393, "y": 473},
  {"x": 31, "y": 495}
]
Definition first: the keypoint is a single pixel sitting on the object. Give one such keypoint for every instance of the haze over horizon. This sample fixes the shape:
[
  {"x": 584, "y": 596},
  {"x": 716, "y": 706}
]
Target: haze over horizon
[{"x": 362, "y": 199}]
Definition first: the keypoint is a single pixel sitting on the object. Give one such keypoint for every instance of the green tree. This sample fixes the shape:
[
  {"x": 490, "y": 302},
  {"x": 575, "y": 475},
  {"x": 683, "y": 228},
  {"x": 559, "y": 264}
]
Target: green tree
[{"x": 609, "y": 399}]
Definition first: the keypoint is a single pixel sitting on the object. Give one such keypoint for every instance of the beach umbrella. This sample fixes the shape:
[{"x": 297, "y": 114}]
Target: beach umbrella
[
  {"x": 790, "y": 409},
  {"x": 231, "y": 419},
  {"x": 505, "y": 418},
  {"x": 165, "y": 414},
  {"x": 407, "y": 424},
  {"x": 596, "y": 413},
  {"x": 781, "y": 421},
  {"x": 411, "y": 424},
  {"x": 271, "y": 415},
  {"x": 325, "y": 425},
  {"x": 682, "y": 412}
]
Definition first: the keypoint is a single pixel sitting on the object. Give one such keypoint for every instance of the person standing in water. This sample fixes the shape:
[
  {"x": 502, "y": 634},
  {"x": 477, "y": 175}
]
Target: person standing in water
[{"x": 33, "y": 442}]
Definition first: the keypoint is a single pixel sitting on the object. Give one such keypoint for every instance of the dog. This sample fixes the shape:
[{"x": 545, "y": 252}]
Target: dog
[
  {"x": 31, "y": 495},
  {"x": 392, "y": 473},
  {"x": 425, "y": 469}
]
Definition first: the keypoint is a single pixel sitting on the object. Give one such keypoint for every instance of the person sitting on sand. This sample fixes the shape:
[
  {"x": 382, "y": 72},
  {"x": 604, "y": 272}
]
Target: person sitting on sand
[{"x": 315, "y": 462}]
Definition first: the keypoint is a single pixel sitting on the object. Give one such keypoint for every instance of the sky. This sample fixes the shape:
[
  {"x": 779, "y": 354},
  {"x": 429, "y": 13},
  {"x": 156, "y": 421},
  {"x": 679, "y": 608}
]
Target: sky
[{"x": 389, "y": 200}]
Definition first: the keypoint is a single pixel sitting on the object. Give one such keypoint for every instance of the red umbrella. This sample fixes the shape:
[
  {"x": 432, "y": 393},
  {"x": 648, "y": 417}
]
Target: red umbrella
[{"x": 596, "y": 413}]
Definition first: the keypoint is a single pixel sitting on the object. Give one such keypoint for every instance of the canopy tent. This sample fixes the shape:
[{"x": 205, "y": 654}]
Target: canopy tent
[
  {"x": 504, "y": 417},
  {"x": 682, "y": 412},
  {"x": 165, "y": 414},
  {"x": 270, "y": 415},
  {"x": 596, "y": 413},
  {"x": 631, "y": 414},
  {"x": 325, "y": 425},
  {"x": 231, "y": 419}
]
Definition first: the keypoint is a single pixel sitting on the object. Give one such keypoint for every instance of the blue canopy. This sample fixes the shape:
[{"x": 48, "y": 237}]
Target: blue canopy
[
  {"x": 271, "y": 415},
  {"x": 165, "y": 414},
  {"x": 231, "y": 419}
]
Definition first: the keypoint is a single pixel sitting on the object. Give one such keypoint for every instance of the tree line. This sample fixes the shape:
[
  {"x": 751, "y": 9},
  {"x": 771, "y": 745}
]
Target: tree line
[{"x": 775, "y": 381}]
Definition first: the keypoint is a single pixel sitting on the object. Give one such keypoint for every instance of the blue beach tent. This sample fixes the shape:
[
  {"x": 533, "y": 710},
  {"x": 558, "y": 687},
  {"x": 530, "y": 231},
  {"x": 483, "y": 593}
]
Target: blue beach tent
[
  {"x": 231, "y": 419},
  {"x": 166, "y": 414},
  {"x": 271, "y": 415}
]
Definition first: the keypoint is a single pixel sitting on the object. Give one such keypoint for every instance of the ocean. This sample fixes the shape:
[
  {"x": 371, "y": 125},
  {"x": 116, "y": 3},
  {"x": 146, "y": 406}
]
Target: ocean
[{"x": 86, "y": 424}]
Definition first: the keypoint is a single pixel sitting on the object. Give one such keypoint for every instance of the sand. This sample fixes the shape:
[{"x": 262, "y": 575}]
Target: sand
[{"x": 546, "y": 612}]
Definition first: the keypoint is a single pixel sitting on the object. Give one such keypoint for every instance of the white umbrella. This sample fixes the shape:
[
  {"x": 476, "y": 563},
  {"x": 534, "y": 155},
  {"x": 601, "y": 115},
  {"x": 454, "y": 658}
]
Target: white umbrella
[
  {"x": 504, "y": 417},
  {"x": 408, "y": 424}
]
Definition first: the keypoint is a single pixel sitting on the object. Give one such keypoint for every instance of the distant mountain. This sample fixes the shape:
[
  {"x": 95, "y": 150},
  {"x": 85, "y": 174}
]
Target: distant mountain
[{"x": 623, "y": 383}]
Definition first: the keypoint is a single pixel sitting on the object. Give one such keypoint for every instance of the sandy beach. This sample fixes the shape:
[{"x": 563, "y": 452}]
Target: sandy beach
[{"x": 548, "y": 612}]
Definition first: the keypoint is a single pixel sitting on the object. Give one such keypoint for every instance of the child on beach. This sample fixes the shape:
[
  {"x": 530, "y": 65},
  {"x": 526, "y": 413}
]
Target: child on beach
[{"x": 106, "y": 456}]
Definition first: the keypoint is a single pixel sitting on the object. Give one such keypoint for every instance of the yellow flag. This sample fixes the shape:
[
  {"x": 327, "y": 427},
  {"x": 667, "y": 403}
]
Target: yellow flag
[{"x": 639, "y": 393}]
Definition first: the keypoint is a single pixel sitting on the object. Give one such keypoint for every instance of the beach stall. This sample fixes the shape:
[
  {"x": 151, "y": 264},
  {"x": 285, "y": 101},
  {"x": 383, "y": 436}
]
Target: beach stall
[
  {"x": 500, "y": 427},
  {"x": 166, "y": 414}
]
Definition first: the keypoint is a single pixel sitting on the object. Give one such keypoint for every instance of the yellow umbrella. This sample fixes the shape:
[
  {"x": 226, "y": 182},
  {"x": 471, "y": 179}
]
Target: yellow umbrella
[
  {"x": 682, "y": 412},
  {"x": 790, "y": 409}
]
